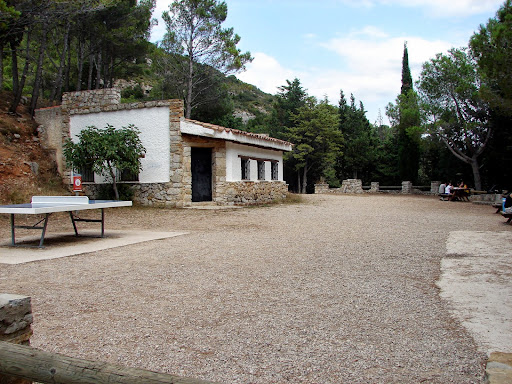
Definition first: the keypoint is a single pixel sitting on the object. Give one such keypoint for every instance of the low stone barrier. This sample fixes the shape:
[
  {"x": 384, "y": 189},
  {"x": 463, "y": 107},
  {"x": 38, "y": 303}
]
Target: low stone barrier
[{"x": 15, "y": 326}]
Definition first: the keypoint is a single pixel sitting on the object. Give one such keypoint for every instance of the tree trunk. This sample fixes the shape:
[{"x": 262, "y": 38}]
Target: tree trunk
[
  {"x": 98, "y": 70},
  {"x": 39, "y": 69},
  {"x": 188, "y": 111},
  {"x": 14, "y": 66},
  {"x": 305, "y": 178},
  {"x": 80, "y": 63},
  {"x": 21, "y": 82},
  {"x": 476, "y": 173},
  {"x": 1, "y": 65},
  {"x": 114, "y": 183},
  {"x": 58, "y": 80},
  {"x": 89, "y": 78}
]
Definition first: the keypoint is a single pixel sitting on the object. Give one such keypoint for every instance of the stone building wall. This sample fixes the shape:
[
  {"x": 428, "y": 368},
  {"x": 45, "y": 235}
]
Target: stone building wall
[
  {"x": 177, "y": 192},
  {"x": 250, "y": 192}
]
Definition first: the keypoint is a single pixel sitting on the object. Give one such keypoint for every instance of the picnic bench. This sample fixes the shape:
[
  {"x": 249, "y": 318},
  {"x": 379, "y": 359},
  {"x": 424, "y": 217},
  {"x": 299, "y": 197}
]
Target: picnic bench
[
  {"x": 507, "y": 216},
  {"x": 457, "y": 194}
]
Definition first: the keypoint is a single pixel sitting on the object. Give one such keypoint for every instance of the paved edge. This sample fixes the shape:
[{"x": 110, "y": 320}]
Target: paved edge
[
  {"x": 499, "y": 368},
  {"x": 86, "y": 243}
]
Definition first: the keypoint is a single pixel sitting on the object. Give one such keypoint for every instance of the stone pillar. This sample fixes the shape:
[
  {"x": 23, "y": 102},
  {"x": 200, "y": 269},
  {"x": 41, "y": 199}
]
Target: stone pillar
[
  {"x": 434, "y": 187},
  {"x": 321, "y": 188},
  {"x": 179, "y": 169},
  {"x": 374, "y": 186},
  {"x": 406, "y": 187},
  {"x": 352, "y": 186},
  {"x": 15, "y": 320}
]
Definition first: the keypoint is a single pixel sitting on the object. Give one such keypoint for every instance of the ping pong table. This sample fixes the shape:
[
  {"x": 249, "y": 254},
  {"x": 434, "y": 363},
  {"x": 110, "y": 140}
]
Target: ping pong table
[{"x": 47, "y": 205}]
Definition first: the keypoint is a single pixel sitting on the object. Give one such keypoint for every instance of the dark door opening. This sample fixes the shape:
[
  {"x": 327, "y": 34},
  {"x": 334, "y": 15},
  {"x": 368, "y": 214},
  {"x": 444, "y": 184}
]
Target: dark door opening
[{"x": 201, "y": 174}]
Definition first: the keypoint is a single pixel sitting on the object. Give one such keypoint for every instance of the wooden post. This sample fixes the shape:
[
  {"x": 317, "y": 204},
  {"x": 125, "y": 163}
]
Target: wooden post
[{"x": 44, "y": 367}]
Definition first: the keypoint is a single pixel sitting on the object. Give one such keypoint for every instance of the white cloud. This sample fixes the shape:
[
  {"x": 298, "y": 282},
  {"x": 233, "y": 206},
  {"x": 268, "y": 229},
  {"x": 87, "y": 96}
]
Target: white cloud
[
  {"x": 370, "y": 68},
  {"x": 266, "y": 73},
  {"x": 436, "y": 8},
  {"x": 158, "y": 31}
]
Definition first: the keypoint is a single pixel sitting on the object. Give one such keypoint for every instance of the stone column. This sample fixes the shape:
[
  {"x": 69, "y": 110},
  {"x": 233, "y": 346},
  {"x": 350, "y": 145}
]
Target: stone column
[
  {"x": 374, "y": 186},
  {"x": 406, "y": 187},
  {"x": 434, "y": 187},
  {"x": 15, "y": 320}
]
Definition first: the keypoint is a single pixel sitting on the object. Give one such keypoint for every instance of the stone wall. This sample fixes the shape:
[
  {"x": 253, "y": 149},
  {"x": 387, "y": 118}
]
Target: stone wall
[
  {"x": 15, "y": 326},
  {"x": 352, "y": 186},
  {"x": 50, "y": 132},
  {"x": 322, "y": 188},
  {"x": 250, "y": 192}
]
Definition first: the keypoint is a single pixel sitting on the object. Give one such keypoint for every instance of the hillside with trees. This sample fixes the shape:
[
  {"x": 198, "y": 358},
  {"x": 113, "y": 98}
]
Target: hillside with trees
[{"x": 452, "y": 123}]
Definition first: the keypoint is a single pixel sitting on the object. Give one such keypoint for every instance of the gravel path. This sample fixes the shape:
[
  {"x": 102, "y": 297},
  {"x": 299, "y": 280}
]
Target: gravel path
[{"x": 339, "y": 289}]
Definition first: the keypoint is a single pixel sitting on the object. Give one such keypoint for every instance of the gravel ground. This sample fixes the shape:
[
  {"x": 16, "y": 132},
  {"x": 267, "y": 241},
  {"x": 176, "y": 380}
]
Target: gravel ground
[{"x": 338, "y": 289}]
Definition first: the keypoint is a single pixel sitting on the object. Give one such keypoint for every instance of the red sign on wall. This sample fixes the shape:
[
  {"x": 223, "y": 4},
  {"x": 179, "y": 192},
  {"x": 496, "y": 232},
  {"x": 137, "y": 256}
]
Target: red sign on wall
[{"x": 77, "y": 183}]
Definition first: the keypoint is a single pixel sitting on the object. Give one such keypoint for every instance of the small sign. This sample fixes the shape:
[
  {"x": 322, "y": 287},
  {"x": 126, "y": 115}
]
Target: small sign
[{"x": 77, "y": 183}]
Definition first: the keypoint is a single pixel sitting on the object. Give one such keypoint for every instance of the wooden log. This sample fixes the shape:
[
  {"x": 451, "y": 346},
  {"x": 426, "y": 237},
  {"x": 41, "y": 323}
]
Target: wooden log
[{"x": 44, "y": 367}]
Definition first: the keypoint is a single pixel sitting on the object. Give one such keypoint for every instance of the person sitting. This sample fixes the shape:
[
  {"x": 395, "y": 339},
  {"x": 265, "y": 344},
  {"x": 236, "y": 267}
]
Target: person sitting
[
  {"x": 449, "y": 191},
  {"x": 442, "y": 188},
  {"x": 463, "y": 191}
]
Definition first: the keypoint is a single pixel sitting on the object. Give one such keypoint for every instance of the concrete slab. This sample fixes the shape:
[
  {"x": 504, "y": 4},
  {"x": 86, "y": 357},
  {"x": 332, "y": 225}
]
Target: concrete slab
[
  {"x": 475, "y": 279},
  {"x": 67, "y": 244}
]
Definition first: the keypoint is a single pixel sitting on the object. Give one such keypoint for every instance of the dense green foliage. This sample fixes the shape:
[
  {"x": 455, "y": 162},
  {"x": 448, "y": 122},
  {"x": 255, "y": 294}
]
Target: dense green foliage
[
  {"x": 48, "y": 47},
  {"x": 449, "y": 86},
  {"x": 106, "y": 151},
  {"x": 491, "y": 49}
]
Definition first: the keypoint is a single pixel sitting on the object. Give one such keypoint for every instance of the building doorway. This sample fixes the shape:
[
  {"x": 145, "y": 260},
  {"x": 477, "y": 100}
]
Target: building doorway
[{"x": 201, "y": 174}]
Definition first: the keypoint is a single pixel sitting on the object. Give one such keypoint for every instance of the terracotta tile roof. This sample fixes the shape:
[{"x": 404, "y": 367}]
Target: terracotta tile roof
[{"x": 239, "y": 132}]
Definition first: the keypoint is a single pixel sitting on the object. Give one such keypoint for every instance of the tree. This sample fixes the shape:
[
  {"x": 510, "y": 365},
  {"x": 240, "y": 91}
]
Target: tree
[
  {"x": 449, "y": 88},
  {"x": 357, "y": 136},
  {"x": 317, "y": 142},
  {"x": 290, "y": 98},
  {"x": 491, "y": 49},
  {"x": 106, "y": 150},
  {"x": 409, "y": 121},
  {"x": 194, "y": 32}
]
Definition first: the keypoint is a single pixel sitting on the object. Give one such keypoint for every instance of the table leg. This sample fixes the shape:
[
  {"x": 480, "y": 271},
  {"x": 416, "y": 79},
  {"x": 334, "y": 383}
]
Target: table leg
[
  {"x": 13, "y": 234},
  {"x": 44, "y": 230},
  {"x": 102, "y": 222},
  {"x": 73, "y": 221}
]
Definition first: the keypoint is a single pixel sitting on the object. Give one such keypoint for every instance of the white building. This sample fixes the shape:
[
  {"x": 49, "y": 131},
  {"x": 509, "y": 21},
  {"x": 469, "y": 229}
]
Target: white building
[{"x": 186, "y": 161}]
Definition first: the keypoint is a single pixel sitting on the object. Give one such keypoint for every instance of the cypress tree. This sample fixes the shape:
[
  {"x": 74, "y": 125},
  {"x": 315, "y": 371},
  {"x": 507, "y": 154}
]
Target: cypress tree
[
  {"x": 406, "y": 72},
  {"x": 408, "y": 142}
]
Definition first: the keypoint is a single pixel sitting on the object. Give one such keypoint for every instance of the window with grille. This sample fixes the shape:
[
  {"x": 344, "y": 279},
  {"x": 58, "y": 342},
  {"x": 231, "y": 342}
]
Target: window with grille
[
  {"x": 126, "y": 175},
  {"x": 245, "y": 169},
  {"x": 87, "y": 174},
  {"x": 261, "y": 170},
  {"x": 275, "y": 170}
]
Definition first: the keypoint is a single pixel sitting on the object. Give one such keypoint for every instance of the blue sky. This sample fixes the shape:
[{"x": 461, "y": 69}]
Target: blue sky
[{"x": 354, "y": 46}]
